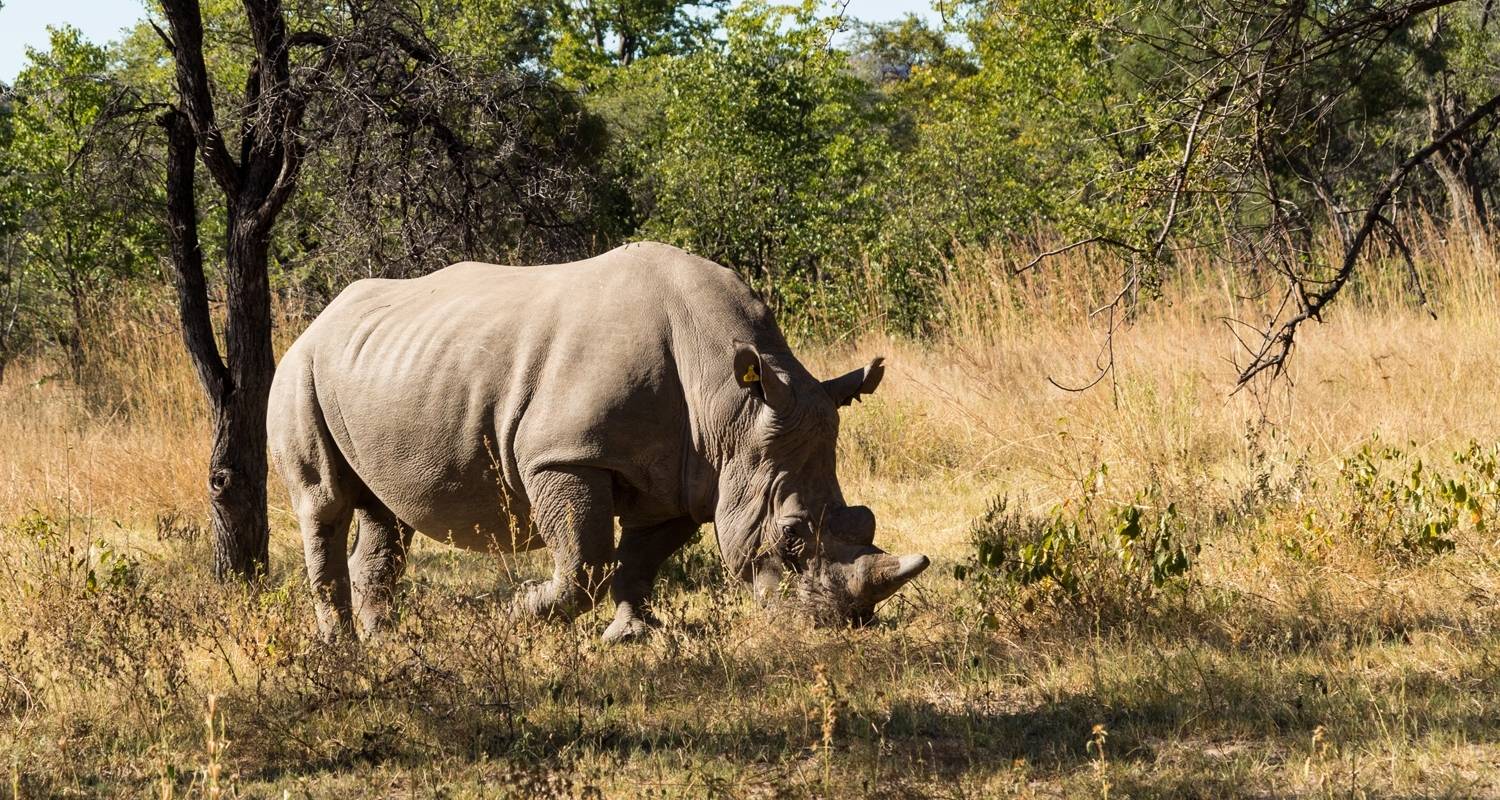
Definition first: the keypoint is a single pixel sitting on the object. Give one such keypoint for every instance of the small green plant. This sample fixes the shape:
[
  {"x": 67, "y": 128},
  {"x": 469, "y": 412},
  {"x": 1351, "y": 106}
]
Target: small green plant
[
  {"x": 1399, "y": 503},
  {"x": 1084, "y": 550},
  {"x": 1021, "y": 548},
  {"x": 39, "y": 528},
  {"x": 111, "y": 569},
  {"x": 1156, "y": 549}
]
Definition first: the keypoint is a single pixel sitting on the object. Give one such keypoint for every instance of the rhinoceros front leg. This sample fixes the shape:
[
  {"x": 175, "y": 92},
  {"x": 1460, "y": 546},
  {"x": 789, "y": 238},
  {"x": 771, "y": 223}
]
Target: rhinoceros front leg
[
  {"x": 379, "y": 559},
  {"x": 574, "y": 512},
  {"x": 642, "y": 552}
]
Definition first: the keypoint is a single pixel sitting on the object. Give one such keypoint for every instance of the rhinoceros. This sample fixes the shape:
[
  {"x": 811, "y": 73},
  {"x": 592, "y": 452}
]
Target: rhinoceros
[{"x": 504, "y": 409}]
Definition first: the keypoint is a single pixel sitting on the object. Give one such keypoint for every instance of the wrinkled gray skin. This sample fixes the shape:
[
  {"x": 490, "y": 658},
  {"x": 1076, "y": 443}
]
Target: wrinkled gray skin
[{"x": 514, "y": 408}]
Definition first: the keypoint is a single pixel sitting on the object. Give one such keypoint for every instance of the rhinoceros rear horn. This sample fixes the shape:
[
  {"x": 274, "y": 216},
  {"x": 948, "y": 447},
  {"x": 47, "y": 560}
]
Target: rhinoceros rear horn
[
  {"x": 890, "y": 573},
  {"x": 854, "y": 524}
]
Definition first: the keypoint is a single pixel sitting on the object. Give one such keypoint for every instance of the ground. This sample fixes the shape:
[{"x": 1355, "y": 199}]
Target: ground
[{"x": 1315, "y": 616}]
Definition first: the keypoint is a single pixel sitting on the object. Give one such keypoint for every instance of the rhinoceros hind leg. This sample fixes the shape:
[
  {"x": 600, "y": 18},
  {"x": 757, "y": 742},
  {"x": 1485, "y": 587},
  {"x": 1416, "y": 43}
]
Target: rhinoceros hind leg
[
  {"x": 378, "y": 561},
  {"x": 325, "y": 531},
  {"x": 573, "y": 511},
  {"x": 642, "y": 552}
]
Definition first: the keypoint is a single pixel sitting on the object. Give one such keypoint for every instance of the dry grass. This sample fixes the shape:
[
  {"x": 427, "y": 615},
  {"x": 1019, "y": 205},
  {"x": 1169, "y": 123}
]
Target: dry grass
[{"x": 1306, "y": 652}]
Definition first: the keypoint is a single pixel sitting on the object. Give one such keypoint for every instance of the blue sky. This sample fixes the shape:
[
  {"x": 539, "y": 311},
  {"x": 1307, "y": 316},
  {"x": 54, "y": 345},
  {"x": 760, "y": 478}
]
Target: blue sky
[{"x": 24, "y": 22}]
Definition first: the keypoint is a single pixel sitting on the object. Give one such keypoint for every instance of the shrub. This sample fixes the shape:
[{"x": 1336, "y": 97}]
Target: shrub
[
  {"x": 1084, "y": 552},
  {"x": 1400, "y": 506}
]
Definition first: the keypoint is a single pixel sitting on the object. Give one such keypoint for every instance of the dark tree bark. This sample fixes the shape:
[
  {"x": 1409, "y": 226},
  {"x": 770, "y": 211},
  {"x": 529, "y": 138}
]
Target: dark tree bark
[
  {"x": 10, "y": 306},
  {"x": 1459, "y": 163},
  {"x": 236, "y": 383}
]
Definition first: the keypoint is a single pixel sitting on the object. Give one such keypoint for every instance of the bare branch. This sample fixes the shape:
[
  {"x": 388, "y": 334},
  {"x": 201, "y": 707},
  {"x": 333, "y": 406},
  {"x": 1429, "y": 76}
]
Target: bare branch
[
  {"x": 186, "y": 21},
  {"x": 1188, "y": 150},
  {"x": 165, "y": 39},
  {"x": 1412, "y": 274},
  {"x": 187, "y": 257},
  {"x": 1075, "y": 245},
  {"x": 1279, "y": 340}
]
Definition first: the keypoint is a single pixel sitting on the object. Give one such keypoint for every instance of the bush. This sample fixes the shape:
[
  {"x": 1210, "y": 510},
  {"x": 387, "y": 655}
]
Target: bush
[
  {"x": 763, "y": 156},
  {"x": 1083, "y": 553},
  {"x": 1403, "y": 508}
]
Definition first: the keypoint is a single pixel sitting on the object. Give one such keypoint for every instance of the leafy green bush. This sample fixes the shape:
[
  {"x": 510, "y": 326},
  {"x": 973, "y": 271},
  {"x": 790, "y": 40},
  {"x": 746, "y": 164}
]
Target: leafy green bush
[
  {"x": 1402, "y": 506},
  {"x": 1085, "y": 551},
  {"x": 767, "y": 149}
]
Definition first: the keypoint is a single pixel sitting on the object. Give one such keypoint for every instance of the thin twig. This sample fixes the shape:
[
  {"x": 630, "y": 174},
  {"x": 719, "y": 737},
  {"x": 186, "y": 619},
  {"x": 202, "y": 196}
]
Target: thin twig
[
  {"x": 1074, "y": 246},
  {"x": 1411, "y": 265}
]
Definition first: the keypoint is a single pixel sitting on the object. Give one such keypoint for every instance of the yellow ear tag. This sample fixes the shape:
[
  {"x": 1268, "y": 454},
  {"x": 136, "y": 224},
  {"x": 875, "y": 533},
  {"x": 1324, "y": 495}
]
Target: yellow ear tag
[{"x": 750, "y": 374}]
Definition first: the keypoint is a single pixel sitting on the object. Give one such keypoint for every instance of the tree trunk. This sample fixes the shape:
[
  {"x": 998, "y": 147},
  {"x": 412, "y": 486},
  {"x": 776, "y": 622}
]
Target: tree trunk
[
  {"x": 237, "y": 392},
  {"x": 77, "y": 353},
  {"x": 1457, "y": 166},
  {"x": 1465, "y": 199},
  {"x": 237, "y": 465},
  {"x": 13, "y": 295},
  {"x": 255, "y": 188}
]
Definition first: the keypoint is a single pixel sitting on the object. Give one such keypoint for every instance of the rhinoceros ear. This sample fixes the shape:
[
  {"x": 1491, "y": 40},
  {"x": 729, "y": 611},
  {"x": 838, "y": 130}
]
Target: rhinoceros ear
[
  {"x": 847, "y": 388},
  {"x": 759, "y": 378}
]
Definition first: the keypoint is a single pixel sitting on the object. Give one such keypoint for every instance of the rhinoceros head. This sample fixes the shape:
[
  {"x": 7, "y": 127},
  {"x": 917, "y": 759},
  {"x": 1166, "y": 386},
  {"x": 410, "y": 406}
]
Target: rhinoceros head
[{"x": 781, "y": 519}]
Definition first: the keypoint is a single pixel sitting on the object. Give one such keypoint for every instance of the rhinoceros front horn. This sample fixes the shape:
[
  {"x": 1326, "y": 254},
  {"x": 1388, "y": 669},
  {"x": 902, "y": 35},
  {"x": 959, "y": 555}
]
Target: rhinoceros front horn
[{"x": 890, "y": 573}]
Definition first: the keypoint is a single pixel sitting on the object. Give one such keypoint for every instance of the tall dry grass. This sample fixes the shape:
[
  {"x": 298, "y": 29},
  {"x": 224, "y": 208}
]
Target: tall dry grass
[
  {"x": 980, "y": 405},
  {"x": 129, "y": 447},
  {"x": 1306, "y": 652}
]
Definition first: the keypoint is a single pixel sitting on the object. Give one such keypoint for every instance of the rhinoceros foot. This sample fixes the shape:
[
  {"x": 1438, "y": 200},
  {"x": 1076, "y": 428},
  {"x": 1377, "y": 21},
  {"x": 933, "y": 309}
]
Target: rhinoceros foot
[{"x": 630, "y": 625}]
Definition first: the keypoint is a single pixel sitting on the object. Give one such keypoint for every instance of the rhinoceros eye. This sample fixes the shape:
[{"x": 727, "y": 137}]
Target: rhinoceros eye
[{"x": 792, "y": 544}]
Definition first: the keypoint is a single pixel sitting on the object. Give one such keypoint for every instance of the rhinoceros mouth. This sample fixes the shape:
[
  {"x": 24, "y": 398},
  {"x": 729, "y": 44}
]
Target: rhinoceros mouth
[{"x": 838, "y": 595}]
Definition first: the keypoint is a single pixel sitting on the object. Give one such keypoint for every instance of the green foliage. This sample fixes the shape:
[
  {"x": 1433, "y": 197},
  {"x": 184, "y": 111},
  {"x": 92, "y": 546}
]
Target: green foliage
[
  {"x": 840, "y": 166},
  {"x": 500, "y": 34},
  {"x": 1020, "y": 548},
  {"x": 590, "y": 38},
  {"x": 1084, "y": 551},
  {"x": 764, "y": 153},
  {"x": 1021, "y": 140},
  {"x": 67, "y": 188},
  {"x": 101, "y": 567},
  {"x": 1156, "y": 549},
  {"x": 1401, "y": 506}
]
